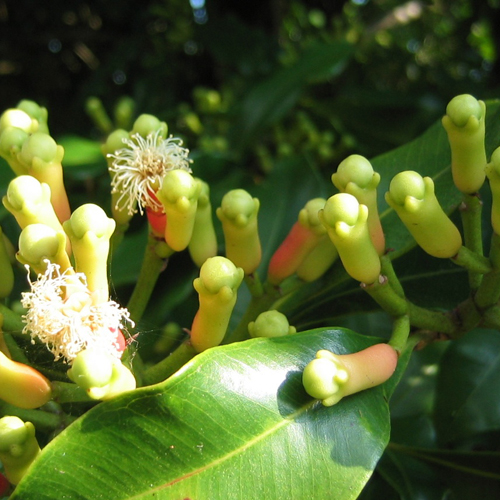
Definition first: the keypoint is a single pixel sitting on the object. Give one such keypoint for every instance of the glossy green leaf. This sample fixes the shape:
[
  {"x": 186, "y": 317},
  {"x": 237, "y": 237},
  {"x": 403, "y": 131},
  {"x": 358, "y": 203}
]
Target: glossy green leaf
[
  {"x": 233, "y": 423},
  {"x": 271, "y": 99},
  {"x": 467, "y": 387}
]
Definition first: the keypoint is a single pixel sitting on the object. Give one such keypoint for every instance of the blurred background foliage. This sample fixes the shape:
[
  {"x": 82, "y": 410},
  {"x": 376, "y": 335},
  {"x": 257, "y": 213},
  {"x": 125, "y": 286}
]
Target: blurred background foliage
[{"x": 193, "y": 62}]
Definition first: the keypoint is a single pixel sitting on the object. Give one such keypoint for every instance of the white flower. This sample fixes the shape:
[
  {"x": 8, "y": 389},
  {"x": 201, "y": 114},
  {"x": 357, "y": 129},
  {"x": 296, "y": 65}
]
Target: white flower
[
  {"x": 62, "y": 315},
  {"x": 138, "y": 169}
]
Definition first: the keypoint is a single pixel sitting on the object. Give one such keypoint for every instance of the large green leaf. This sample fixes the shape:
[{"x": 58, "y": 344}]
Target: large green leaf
[
  {"x": 467, "y": 387},
  {"x": 233, "y": 423}
]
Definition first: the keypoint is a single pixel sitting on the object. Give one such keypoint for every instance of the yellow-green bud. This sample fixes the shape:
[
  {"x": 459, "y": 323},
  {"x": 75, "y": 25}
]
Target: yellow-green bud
[
  {"x": 36, "y": 112},
  {"x": 6, "y": 271},
  {"x": 95, "y": 109},
  {"x": 18, "y": 447},
  {"x": 11, "y": 143},
  {"x": 91, "y": 368},
  {"x": 465, "y": 125},
  {"x": 203, "y": 242},
  {"x": 119, "y": 208},
  {"x": 414, "y": 200},
  {"x": 238, "y": 214},
  {"x": 89, "y": 230},
  {"x": 42, "y": 157},
  {"x": 19, "y": 119},
  {"x": 39, "y": 243},
  {"x": 179, "y": 196},
  {"x": 217, "y": 288},
  {"x": 148, "y": 124},
  {"x": 346, "y": 222},
  {"x": 270, "y": 324},
  {"x": 124, "y": 110},
  {"x": 102, "y": 375},
  {"x": 355, "y": 175},
  {"x": 493, "y": 173},
  {"x": 28, "y": 201}
]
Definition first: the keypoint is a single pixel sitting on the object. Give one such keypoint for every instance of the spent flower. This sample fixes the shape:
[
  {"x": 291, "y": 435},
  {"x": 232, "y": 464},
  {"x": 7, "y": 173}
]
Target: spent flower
[
  {"x": 61, "y": 313},
  {"x": 138, "y": 169}
]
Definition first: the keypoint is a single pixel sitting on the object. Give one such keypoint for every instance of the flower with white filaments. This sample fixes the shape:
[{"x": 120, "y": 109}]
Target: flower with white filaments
[
  {"x": 62, "y": 315},
  {"x": 138, "y": 169}
]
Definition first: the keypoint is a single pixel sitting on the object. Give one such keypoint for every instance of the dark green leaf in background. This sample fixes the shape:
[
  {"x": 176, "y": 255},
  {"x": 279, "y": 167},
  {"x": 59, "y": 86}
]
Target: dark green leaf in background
[
  {"x": 233, "y": 423},
  {"x": 467, "y": 387}
]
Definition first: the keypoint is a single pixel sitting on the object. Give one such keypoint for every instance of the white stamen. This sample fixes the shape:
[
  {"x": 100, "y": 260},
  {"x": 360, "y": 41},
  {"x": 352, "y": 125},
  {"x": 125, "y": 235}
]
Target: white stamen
[
  {"x": 138, "y": 169},
  {"x": 61, "y": 314}
]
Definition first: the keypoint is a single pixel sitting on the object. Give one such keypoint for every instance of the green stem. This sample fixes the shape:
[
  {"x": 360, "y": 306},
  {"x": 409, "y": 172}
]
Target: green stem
[
  {"x": 254, "y": 284},
  {"x": 470, "y": 211},
  {"x": 386, "y": 297},
  {"x": 488, "y": 292},
  {"x": 431, "y": 320},
  {"x": 491, "y": 318},
  {"x": 162, "y": 370},
  {"x": 474, "y": 262},
  {"x": 388, "y": 271},
  {"x": 42, "y": 420},
  {"x": 400, "y": 332},
  {"x": 152, "y": 266}
]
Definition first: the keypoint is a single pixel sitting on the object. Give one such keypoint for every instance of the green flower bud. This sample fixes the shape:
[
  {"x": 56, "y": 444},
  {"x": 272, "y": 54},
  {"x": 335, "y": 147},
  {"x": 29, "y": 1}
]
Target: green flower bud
[
  {"x": 6, "y": 271},
  {"x": 124, "y": 110},
  {"x": 114, "y": 142},
  {"x": 217, "y": 288},
  {"x": 89, "y": 230},
  {"x": 95, "y": 110},
  {"x": 91, "y": 368},
  {"x": 22, "y": 385},
  {"x": 493, "y": 173},
  {"x": 28, "y": 201},
  {"x": 238, "y": 214},
  {"x": 414, "y": 200},
  {"x": 330, "y": 377},
  {"x": 318, "y": 261},
  {"x": 122, "y": 380},
  {"x": 270, "y": 324},
  {"x": 179, "y": 196},
  {"x": 148, "y": 124},
  {"x": 18, "y": 447},
  {"x": 39, "y": 243},
  {"x": 203, "y": 242},
  {"x": 355, "y": 175},
  {"x": 18, "y": 119},
  {"x": 11, "y": 143},
  {"x": 36, "y": 112},
  {"x": 119, "y": 204},
  {"x": 346, "y": 222},
  {"x": 42, "y": 157},
  {"x": 464, "y": 123}
]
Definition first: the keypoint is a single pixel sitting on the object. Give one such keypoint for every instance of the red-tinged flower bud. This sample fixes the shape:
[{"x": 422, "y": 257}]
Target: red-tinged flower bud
[
  {"x": 330, "y": 377},
  {"x": 304, "y": 236},
  {"x": 22, "y": 385}
]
